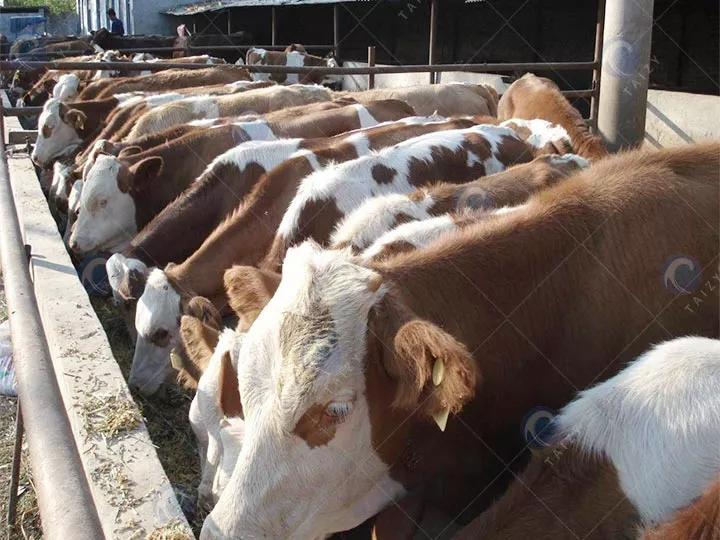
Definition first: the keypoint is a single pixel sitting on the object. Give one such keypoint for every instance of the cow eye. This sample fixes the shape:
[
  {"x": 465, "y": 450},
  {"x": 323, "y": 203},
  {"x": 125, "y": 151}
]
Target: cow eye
[
  {"x": 103, "y": 203},
  {"x": 339, "y": 410}
]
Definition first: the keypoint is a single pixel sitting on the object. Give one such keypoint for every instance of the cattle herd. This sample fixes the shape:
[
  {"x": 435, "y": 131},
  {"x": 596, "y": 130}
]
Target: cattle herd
[{"x": 409, "y": 274}]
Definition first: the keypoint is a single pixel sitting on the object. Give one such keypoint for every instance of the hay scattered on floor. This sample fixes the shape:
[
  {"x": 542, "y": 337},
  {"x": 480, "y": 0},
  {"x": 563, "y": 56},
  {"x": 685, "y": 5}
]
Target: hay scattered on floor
[
  {"x": 109, "y": 415},
  {"x": 112, "y": 478},
  {"x": 175, "y": 530}
]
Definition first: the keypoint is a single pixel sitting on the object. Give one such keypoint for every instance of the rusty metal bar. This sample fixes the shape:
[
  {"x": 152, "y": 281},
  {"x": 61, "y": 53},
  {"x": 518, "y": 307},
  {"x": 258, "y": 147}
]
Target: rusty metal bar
[
  {"x": 597, "y": 70},
  {"x": 377, "y": 70},
  {"x": 66, "y": 504},
  {"x": 371, "y": 64},
  {"x": 433, "y": 33},
  {"x": 15, "y": 471}
]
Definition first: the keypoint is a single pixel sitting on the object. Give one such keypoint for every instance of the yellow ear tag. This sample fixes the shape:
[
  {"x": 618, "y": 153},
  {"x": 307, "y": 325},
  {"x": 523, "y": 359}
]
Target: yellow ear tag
[
  {"x": 441, "y": 418},
  {"x": 175, "y": 360},
  {"x": 438, "y": 373}
]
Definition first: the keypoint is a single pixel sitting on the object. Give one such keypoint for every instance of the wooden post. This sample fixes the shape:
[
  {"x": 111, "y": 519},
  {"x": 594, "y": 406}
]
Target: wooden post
[
  {"x": 336, "y": 30},
  {"x": 274, "y": 27},
  {"x": 433, "y": 32},
  {"x": 371, "y": 63}
]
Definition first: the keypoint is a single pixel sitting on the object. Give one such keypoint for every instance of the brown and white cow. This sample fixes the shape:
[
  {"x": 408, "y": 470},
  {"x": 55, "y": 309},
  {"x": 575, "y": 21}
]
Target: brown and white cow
[
  {"x": 291, "y": 58},
  {"x": 446, "y": 99},
  {"x": 457, "y": 156},
  {"x": 189, "y": 156},
  {"x": 700, "y": 520},
  {"x": 243, "y": 238},
  {"x": 65, "y": 129},
  {"x": 511, "y": 187},
  {"x": 262, "y": 100},
  {"x": 184, "y": 224},
  {"x": 627, "y": 453},
  {"x": 532, "y": 97},
  {"x": 347, "y": 366},
  {"x": 171, "y": 79}
]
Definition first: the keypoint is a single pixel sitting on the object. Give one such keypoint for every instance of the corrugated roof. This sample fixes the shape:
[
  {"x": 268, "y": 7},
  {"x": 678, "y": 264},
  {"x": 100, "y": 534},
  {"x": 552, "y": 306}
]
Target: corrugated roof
[{"x": 216, "y": 5}]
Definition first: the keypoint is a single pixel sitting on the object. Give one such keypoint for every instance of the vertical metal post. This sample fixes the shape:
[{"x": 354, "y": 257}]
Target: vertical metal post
[
  {"x": 229, "y": 23},
  {"x": 626, "y": 71},
  {"x": 336, "y": 30},
  {"x": 371, "y": 63},
  {"x": 597, "y": 72},
  {"x": 15, "y": 471},
  {"x": 433, "y": 32},
  {"x": 273, "y": 27}
]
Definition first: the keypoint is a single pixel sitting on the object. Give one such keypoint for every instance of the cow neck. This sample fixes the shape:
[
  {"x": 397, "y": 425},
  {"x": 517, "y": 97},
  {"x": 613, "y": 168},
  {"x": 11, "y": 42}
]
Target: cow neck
[{"x": 175, "y": 233}]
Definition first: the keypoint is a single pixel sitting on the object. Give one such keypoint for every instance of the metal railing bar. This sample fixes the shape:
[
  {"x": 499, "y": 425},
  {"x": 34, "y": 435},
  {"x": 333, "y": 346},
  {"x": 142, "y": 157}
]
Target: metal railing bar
[
  {"x": 64, "y": 498},
  {"x": 376, "y": 70}
]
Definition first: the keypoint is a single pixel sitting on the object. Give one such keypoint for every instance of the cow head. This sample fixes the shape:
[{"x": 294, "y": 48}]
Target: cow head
[
  {"x": 108, "y": 205},
  {"x": 67, "y": 87},
  {"x": 330, "y": 374},
  {"x": 157, "y": 320},
  {"x": 126, "y": 277},
  {"x": 59, "y": 128}
]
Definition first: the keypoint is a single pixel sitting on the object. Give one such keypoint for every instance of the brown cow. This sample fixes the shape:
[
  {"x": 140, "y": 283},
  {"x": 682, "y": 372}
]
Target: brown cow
[
  {"x": 446, "y": 99},
  {"x": 345, "y": 369},
  {"x": 625, "y": 454},
  {"x": 181, "y": 162},
  {"x": 207, "y": 107},
  {"x": 532, "y": 97},
  {"x": 243, "y": 239},
  {"x": 183, "y": 225},
  {"x": 171, "y": 79}
]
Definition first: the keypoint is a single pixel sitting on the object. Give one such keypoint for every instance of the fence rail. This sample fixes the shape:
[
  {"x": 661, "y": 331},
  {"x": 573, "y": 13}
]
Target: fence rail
[
  {"x": 190, "y": 48},
  {"x": 368, "y": 70},
  {"x": 66, "y": 503}
]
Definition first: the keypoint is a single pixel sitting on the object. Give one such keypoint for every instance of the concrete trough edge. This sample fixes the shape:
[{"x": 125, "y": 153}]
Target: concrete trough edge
[{"x": 131, "y": 491}]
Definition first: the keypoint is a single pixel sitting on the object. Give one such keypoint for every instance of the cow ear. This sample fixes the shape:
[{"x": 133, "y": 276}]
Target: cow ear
[
  {"x": 145, "y": 171},
  {"x": 129, "y": 151},
  {"x": 431, "y": 368},
  {"x": 249, "y": 290},
  {"x": 228, "y": 399},
  {"x": 75, "y": 118},
  {"x": 203, "y": 309},
  {"x": 199, "y": 341},
  {"x": 132, "y": 285}
]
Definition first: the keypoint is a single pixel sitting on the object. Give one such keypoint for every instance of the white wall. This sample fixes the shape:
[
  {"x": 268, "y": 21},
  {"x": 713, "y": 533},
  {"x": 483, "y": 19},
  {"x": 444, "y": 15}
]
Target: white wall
[
  {"x": 678, "y": 118},
  {"x": 395, "y": 80}
]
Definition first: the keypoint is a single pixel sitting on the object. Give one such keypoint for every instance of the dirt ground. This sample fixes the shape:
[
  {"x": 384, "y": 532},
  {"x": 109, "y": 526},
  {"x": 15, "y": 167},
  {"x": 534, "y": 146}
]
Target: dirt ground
[{"x": 28, "y": 518}]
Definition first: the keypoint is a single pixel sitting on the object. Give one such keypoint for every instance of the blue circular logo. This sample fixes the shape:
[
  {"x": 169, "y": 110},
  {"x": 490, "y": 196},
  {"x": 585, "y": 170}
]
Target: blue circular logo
[
  {"x": 538, "y": 427},
  {"x": 93, "y": 275},
  {"x": 681, "y": 274},
  {"x": 620, "y": 58}
]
